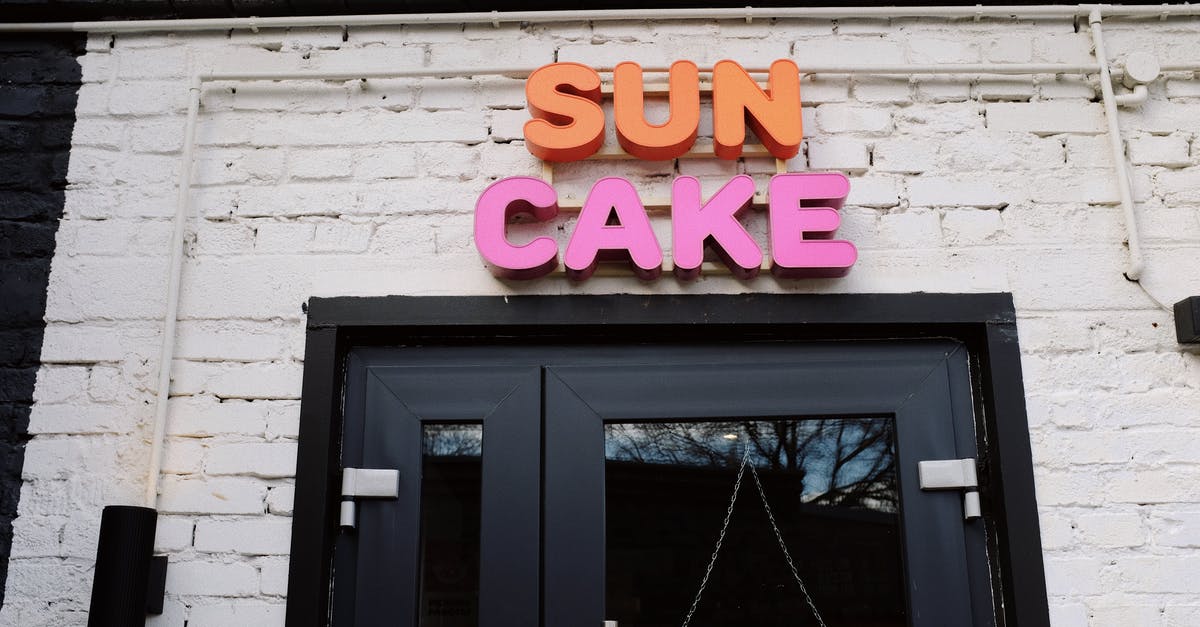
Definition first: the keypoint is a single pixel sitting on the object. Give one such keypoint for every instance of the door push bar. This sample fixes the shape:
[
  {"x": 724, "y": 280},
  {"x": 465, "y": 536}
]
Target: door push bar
[
  {"x": 953, "y": 474},
  {"x": 366, "y": 483}
]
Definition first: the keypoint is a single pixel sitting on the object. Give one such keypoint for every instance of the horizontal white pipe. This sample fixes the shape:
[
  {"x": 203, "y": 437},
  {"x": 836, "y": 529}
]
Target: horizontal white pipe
[
  {"x": 498, "y": 17},
  {"x": 943, "y": 68}
]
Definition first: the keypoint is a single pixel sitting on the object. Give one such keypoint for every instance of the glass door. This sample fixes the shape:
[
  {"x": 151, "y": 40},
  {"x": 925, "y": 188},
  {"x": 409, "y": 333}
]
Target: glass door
[
  {"x": 565, "y": 486},
  {"x": 641, "y": 462}
]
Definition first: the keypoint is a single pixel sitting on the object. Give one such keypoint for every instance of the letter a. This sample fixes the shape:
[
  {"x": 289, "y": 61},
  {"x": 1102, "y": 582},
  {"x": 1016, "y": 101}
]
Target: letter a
[{"x": 596, "y": 240}]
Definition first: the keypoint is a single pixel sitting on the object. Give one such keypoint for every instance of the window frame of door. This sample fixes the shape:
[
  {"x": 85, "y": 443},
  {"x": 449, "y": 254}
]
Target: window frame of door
[{"x": 984, "y": 323}]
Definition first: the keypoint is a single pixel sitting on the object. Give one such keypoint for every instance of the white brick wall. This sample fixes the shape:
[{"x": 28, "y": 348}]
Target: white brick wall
[{"x": 318, "y": 188}]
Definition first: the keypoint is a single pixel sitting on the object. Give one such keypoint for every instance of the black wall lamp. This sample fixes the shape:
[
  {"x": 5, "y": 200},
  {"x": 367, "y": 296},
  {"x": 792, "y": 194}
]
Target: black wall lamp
[
  {"x": 130, "y": 580},
  {"x": 1187, "y": 320}
]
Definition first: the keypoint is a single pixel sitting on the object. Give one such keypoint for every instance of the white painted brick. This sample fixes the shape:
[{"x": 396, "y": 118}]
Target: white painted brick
[
  {"x": 917, "y": 228},
  {"x": 1159, "y": 573},
  {"x": 201, "y": 416},
  {"x": 320, "y": 164},
  {"x": 86, "y": 419},
  {"x": 211, "y": 579},
  {"x": 1073, "y": 577},
  {"x": 1089, "y": 151},
  {"x": 240, "y": 613},
  {"x": 883, "y": 89},
  {"x": 500, "y": 92},
  {"x": 273, "y": 576},
  {"x": 520, "y": 53},
  {"x": 813, "y": 90},
  {"x": 149, "y": 63},
  {"x": 173, "y": 534},
  {"x": 1112, "y": 530},
  {"x": 874, "y": 191},
  {"x": 280, "y": 500},
  {"x": 1180, "y": 529},
  {"x": 448, "y": 93},
  {"x": 947, "y": 118},
  {"x": 1016, "y": 48},
  {"x": 1012, "y": 89},
  {"x": 257, "y": 380},
  {"x": 937, "y": 89},
  {"x": 1063, "y": 48},
  {"x": 1179, "y": 186},
  {"x": 947, "y": 192},
  {"x": 147, "y": 98},
  {"x": 1171, "y": 151},
  {"x": 183, "y": 456},
  {"x": 244, "y": 536},
  {"x": 60, "y": 384},
  {"x": 845, "y": 154},
  {"x": 1181, "y": 615},
  {"x": 218, "y": 495},
  {"x": 283, "y": 419},
  {"x": 1068, "y": 615},
  {"x": 903, "y": 156},
  {"x": 841, "y": 118},
  {"x": 1066, "y": 87},
  {"x": 971, "y": 227},
  {"x": 341, "y": 236},
  {"x": 508, "y": 124},
  {"x": 848, "y": 51},
  {"x": 258, "y": 460},
  {"x": 389, "y": 163},
  {"x": 1046, "y": 118},
  {"x": 1183, "y": 88},
  {"x": 937, "y": 50}
]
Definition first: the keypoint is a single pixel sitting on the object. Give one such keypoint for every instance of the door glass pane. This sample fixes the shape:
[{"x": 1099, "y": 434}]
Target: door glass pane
[
  {"x": 831, "y": 484},
  {"x": 450, "y": 498}
]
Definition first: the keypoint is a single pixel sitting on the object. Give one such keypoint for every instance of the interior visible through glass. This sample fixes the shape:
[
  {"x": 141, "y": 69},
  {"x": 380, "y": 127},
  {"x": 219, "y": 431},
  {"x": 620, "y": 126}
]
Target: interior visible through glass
[
  {"x": 450, "y": 506},
  {"x": 831, "y": 483}
]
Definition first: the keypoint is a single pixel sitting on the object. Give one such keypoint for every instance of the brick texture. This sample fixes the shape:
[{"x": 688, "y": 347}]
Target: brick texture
[
  {"x": 39, "y": 78},
  {"x": 302, "y": 189}
]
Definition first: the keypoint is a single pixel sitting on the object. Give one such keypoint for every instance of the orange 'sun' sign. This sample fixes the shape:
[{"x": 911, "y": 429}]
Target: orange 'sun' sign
[{"x": 568, "y": 123}]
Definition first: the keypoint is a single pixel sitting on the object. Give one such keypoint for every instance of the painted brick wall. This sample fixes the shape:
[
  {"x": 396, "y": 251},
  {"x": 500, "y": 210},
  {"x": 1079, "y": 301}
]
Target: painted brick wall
[
  {"x": 364, "y": 188},
  {"x": 39, "y": 78}
]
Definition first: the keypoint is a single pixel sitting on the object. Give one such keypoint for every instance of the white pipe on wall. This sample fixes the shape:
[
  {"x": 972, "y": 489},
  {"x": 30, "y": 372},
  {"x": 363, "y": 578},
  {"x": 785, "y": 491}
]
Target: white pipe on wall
[
  {"x": 174, "y": 281},
  {"x": 1136, "y": 263},
  {"x": 498, "y": 17}
]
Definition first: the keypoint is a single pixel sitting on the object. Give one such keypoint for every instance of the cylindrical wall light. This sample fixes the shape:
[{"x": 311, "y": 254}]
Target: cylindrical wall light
[{"x": 125, "y": 568}]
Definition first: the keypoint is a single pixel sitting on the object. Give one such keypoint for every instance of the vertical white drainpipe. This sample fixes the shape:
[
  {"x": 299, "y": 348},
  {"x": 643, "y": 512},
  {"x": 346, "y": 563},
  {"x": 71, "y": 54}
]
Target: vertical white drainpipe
[
  {"x": 174, "y": 278},
  {"x": 1136, "y": 263}
]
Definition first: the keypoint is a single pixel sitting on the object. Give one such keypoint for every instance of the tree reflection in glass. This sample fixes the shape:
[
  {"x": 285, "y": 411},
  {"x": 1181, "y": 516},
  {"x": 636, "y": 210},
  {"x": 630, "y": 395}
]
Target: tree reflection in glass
[{"x": 831, "y": 483}]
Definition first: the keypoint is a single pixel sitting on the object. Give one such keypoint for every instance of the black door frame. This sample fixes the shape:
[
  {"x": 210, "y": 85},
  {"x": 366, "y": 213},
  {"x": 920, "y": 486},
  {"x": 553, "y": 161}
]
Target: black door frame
[{"x": 985, "y": 323}]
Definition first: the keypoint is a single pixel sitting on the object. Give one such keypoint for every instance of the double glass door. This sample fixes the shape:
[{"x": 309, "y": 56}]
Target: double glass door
[{"x": 718, "y": 486}]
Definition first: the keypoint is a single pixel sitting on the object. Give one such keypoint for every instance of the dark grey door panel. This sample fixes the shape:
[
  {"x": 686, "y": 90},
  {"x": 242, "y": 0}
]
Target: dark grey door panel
[{"x": 379, "y": 564}]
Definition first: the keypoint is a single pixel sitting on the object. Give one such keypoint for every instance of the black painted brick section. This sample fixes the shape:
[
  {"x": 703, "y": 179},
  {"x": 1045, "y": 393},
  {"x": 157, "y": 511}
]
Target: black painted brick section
[{"x": 39, "y": 84}]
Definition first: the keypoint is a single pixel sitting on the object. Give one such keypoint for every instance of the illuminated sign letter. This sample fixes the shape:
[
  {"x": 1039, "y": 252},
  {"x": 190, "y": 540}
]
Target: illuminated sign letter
[
  {"x": 652, "y": 142},
  {"x": 501, "y": 201},
  {"x": 804, "y": 216},
  {"x": 774, "y": 115},
  {"x": 630, "y": 237},
  {"x": 694, "y": 222},
  {"x": 568, "y": 124}
]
